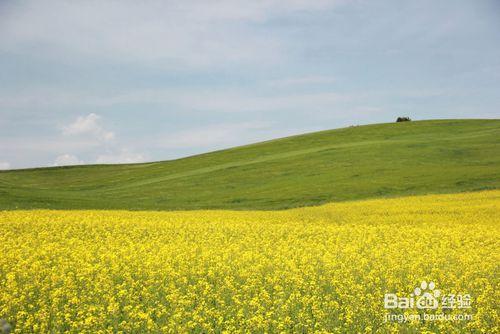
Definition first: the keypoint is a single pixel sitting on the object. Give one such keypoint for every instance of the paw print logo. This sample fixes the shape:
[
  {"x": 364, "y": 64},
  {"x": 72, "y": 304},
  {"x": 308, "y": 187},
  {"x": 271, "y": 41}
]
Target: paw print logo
[{"x": 426, "y": 296}]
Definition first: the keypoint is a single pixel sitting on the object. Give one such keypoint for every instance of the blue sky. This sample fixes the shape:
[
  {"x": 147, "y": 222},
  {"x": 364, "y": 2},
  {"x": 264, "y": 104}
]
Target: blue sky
[{"x": 131, "y": 81}]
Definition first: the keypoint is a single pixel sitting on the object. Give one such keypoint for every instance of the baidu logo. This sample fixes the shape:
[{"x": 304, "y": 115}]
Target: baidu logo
[{"x": 427, "y": 297}]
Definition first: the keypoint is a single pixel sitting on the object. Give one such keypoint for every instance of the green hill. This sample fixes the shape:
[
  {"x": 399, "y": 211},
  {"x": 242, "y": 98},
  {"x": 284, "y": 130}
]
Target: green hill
[{"x": 381, "y": 160}]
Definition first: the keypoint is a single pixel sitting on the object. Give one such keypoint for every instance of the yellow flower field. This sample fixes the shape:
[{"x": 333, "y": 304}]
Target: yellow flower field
[{"x": 321, "y": 269}]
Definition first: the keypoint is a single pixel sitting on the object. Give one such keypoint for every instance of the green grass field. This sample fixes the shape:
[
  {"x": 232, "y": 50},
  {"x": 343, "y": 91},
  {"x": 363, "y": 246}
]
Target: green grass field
[{"x": 381, "y": 160}]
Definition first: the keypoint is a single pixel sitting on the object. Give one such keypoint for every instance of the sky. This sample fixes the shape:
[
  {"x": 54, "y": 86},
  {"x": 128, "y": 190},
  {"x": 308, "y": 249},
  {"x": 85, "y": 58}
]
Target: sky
[{"x": 123, "y": 81}]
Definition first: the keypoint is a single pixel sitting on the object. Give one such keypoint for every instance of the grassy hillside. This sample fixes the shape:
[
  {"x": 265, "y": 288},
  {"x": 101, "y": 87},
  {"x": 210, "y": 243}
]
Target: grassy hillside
[{"x": 381, "y": 160}]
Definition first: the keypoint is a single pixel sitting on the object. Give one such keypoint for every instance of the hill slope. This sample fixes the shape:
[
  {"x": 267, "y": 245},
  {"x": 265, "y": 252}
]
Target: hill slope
[{"x": 344, "y": 164}]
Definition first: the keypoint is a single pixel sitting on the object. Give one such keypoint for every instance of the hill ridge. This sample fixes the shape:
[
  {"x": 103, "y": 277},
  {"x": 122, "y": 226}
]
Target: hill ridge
[{"x": 377, "y": 160}]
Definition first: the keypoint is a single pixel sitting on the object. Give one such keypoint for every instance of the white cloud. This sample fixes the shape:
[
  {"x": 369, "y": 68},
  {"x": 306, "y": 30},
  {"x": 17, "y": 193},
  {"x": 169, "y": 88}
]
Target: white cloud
[
  {"x": 88, "y": 125},
  {"x": 167, "y": 33},
  {"x": 67, "y": 160},
  {"x": 4, "y": 165},
  {"x": 100, "y": 140},
  {"x": 123, "y": 156}
]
